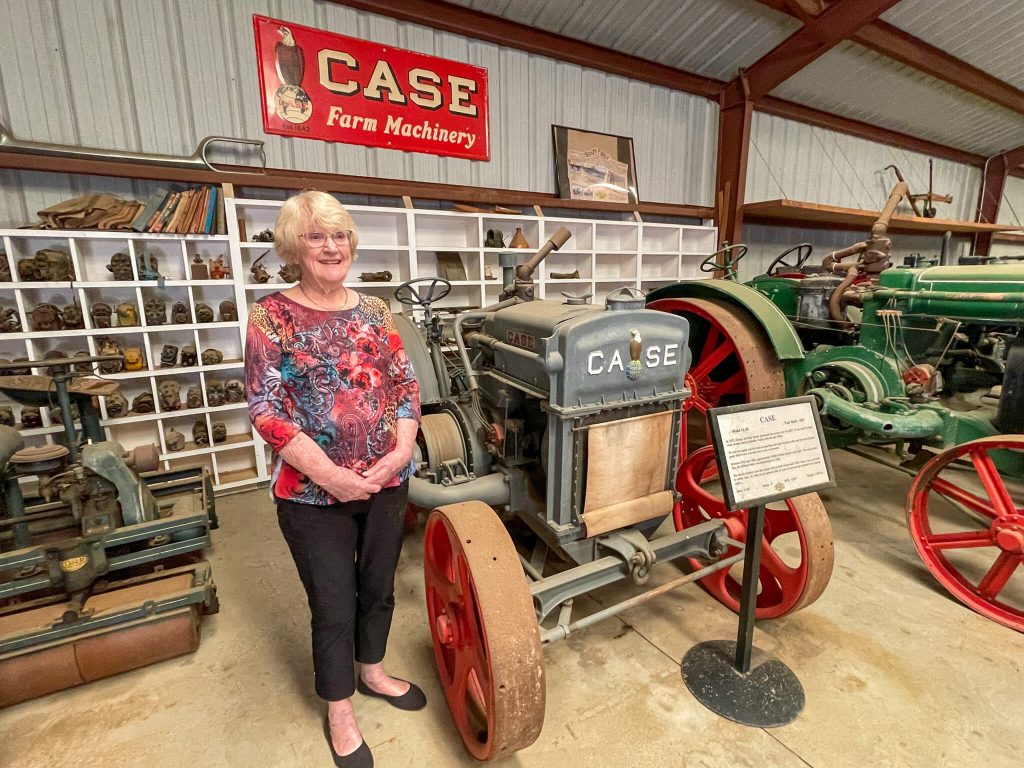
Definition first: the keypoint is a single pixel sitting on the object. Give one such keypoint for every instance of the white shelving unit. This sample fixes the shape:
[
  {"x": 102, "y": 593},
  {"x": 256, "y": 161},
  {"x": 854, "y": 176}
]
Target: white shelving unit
[
  {"x": 607, "y": 254},
  {"x": 235, "y": 462}
]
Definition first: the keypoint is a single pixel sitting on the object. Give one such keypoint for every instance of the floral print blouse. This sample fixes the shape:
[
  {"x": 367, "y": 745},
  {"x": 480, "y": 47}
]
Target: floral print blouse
[{"x": 341, "y": 377}]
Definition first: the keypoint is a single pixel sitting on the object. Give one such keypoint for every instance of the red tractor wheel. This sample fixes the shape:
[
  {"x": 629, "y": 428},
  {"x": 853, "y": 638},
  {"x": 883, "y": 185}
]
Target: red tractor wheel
[
  {"x": 796, "y": 548},
  {"x": 968, "y": 527},
  {"x": 484, "y": 628},
  {"x": 731, "y": 361}
]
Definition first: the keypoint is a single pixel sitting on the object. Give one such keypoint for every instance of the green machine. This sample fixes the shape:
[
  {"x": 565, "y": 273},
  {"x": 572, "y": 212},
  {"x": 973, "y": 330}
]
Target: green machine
[{"x": 925, "y": 361}]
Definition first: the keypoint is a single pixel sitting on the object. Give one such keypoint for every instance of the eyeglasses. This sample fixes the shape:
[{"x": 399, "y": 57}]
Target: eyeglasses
[{"x": 319, "y": 239}]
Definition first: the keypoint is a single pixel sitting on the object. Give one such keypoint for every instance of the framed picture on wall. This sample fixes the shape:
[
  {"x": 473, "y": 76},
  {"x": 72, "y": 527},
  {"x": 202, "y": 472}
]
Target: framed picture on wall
[{"x": 594, "y": 166}]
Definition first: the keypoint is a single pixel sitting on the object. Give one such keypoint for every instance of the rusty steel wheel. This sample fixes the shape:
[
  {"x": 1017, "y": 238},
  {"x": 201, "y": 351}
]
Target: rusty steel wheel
[
  {"x": 485, "y": 631},
  {"x": 796, "y": 548},
  {"x": 732, "y": 361},
  {"x": 968, "y": 527}
]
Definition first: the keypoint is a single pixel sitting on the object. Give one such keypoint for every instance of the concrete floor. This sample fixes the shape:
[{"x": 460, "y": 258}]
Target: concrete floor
[{"x": 895, "y": 672}]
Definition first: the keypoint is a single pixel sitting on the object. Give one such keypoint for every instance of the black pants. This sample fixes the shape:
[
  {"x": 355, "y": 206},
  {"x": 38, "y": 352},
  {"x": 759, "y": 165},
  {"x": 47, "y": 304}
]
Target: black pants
[{"x": 346, "y": 555}]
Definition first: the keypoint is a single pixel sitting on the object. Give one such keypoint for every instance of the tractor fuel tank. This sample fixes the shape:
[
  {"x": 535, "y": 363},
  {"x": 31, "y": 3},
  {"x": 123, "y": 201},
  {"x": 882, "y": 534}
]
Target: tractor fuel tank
[
  {"x": 987, "y": 293},
  {"x": 583, "y": 355}
]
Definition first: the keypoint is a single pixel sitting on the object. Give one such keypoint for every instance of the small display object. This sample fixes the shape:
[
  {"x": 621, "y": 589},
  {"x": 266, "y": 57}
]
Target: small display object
[
  {"x": 258, "y": 271},
  {"x": 101, "y": 314},
  {"x": 215, "y": 393},
  {"x": 266, "y": 236},
  {"x": 109, "y": 347},
  {"x": 220, "y": 432},
  {"x": 228, "y": 313},
  {"x": 218, "y": 270},
  {"x": 194, "y": 398},
  {"x": 144, "y": 403},
  {"x": 116, "y": 404},
  {"x": 174, "y": 439},
  {"x": 594, "y": 166},
  {"x": 9, "y": 320},
  {"x": 48, "y": 265},
  {"x": 149, "y": 268},
  {"x": 204, "y": 313},
  {"x": 46, "y": 317},
  {"x": 72, "y": 316},
  {"x": 450, "y": 266},
  {"x": 30, "y": 417},
  {"x": 155, "y": 310},
  {"x": 134, "y": 359},
  {"x": 180, "y": 314},
  {"x": 212, "y": 356},
  {"x": 289, "y": 273},
  {"x": 5, "y": 268},
  {"x": 168, "y": 356},
  {"x": 188, "y": 356},
  {"x": 120, "y": 266},
  {"x": 170, "y": 395},
  {"x": 382, "y": 276},
  {"x": 200, "y": 434},
  {"x": 6, "y": 416},
  {"x": 494, "y": 239},
  {"x": 234, "y": 391},
  {"x": 198, "y": 269},
  {"x": 127, "y": 315},
  {"x": 519, "y": 239}
]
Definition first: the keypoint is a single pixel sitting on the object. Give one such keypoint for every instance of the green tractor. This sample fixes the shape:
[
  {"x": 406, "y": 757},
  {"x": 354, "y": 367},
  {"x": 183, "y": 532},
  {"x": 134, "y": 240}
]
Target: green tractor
[{"x": 925, "y": 362}]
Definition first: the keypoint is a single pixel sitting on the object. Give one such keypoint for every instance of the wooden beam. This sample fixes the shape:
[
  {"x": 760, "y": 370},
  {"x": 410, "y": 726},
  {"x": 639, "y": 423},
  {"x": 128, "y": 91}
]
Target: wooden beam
[
  {"x": 281, "y": 178},
  {"x": 816, "y": 37},
  {"x": 991, "y": 194},
  {"x": 731, "y": 171},
  {"x": 509, "y": 34},
  {"x": 893, "y": 42}
]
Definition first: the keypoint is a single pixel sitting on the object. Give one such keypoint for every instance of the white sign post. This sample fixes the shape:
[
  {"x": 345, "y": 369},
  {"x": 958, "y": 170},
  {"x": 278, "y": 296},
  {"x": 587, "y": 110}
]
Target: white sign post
[{"x": 766, "y": 452}]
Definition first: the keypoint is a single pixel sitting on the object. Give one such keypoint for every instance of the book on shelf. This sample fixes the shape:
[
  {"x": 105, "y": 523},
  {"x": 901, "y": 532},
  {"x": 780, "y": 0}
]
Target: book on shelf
[
  {"x": 183, "y": 211},
  {"x": 149, "y": 209}
]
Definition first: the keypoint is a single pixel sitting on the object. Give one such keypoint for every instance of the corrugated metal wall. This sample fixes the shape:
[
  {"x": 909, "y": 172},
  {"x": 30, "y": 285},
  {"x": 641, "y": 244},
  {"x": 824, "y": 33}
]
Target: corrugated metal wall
[
  {"x": 158, "y": 75},
  {"x": 1011, "y": 209},
  {"x": 797, "y": 161}
]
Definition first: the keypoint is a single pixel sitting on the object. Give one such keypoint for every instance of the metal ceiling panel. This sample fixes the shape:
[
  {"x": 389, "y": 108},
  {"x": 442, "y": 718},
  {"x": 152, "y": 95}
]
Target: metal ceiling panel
[
  {"x": 797, "y": 161},
  {"x": 712, "y": 39},
  {"x": 984, "y": 33},
  {"x": 863, "y": 85}
]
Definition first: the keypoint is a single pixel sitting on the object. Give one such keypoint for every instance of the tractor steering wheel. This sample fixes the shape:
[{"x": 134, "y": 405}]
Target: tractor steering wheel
[
  {"x": 803, "y": 253},
  {"x": 436, "y": 289},
  {"x": 711, "y": 264}
]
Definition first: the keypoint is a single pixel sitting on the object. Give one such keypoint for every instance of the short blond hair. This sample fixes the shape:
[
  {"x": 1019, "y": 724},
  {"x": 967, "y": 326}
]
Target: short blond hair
[{"x": 310, "y": 207}]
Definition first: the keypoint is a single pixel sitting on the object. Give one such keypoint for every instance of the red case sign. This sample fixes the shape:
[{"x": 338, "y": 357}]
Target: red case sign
[{"x": 318, "y": 85}]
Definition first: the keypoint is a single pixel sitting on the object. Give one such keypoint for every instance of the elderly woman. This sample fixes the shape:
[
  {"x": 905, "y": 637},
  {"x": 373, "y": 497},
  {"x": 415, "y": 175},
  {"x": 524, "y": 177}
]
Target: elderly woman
[{"x": 331, "y": 390}]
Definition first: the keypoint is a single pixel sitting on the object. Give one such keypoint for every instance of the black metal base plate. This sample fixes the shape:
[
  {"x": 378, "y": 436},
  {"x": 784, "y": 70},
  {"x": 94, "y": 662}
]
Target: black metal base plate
[{"x": 769, "y": 695}]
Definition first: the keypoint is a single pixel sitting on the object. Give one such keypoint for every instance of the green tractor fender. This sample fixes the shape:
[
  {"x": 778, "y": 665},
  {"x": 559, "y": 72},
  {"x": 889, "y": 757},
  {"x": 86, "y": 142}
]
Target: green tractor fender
[{"x": 770, "y": 318}]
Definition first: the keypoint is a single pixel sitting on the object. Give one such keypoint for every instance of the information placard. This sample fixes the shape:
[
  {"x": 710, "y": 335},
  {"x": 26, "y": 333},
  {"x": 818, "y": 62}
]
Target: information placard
[{"x": 770, "y": 450}]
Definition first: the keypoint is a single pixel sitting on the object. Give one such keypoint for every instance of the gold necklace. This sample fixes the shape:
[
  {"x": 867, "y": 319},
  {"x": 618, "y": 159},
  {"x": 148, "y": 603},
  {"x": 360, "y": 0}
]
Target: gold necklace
[{"x": 320, "y": 306}]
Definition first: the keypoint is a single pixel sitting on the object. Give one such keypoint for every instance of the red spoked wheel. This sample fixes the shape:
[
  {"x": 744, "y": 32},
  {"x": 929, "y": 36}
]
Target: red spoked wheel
[
  {"x": 796, "y": 548},
  {"x": 484, "y": 629},
  {"x": 731, "y": 361},
  {"x": 968, "y": 526}
]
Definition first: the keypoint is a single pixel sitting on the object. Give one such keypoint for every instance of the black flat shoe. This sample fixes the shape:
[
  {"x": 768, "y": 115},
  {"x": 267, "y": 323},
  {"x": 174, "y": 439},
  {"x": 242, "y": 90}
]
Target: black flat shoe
[
  {"x": 410, "y": 701},
  {"x": 361, "y": 758}
]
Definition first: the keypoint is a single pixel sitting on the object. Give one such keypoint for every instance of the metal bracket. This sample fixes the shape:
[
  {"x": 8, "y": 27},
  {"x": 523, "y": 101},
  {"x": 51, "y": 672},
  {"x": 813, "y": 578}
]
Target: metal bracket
[
  {"x": 635, "y": 550},
  {"x": 454, "y": 472}
]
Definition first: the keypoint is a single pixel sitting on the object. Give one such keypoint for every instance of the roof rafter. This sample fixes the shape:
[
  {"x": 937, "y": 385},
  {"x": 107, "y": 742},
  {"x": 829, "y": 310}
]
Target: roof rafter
[
  {"x": 893, "y": 42},
  {"x": 817, "y": 36}
]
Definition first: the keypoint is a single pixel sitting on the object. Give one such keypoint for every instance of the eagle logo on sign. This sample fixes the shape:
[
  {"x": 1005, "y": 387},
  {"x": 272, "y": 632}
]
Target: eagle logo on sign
[{"x": 634, "y": 369}]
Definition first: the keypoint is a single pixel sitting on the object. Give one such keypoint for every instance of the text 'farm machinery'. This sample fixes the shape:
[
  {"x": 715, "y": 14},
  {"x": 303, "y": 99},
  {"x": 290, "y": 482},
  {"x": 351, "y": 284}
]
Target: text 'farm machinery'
[
  {"x": 548, "y": 452},
  {"x": 101, "y": 566},
  {"x": 927, "y": 359}
]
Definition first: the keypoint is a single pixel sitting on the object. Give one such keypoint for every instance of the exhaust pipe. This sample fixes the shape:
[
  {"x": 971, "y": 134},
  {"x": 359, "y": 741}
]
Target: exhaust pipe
[{"x": 490, "y": 489}]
